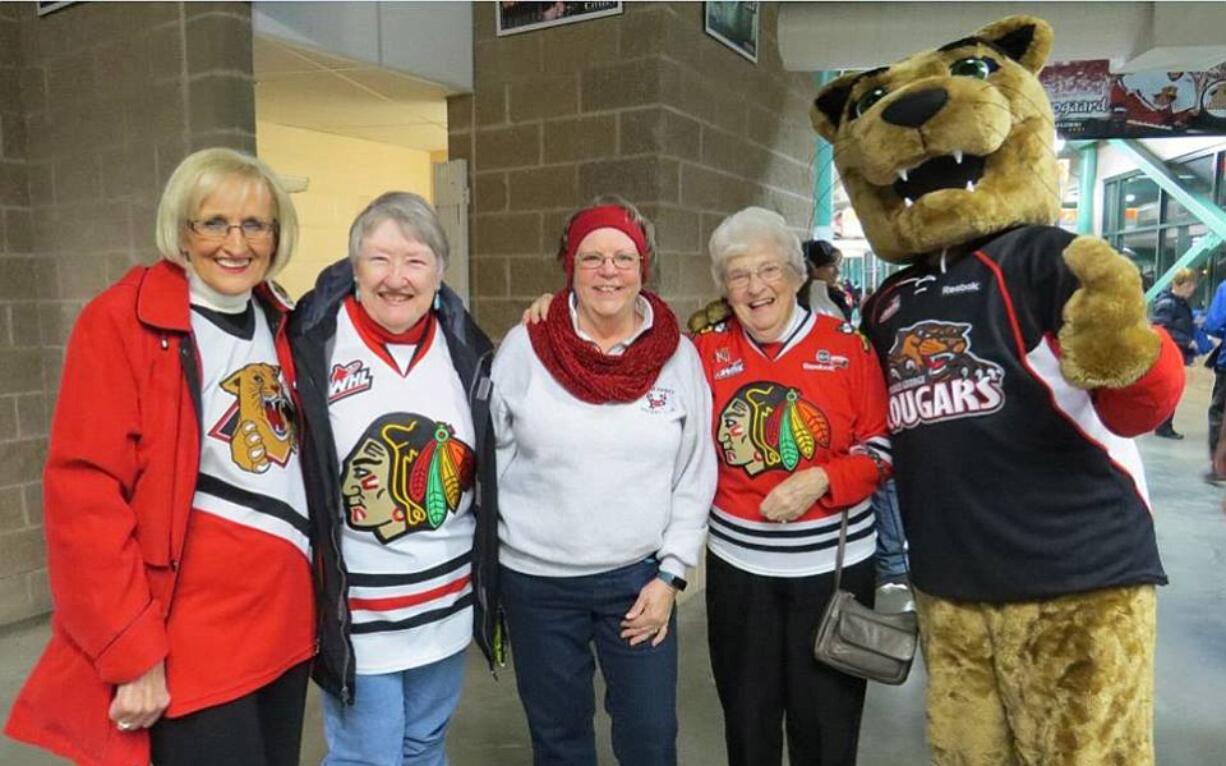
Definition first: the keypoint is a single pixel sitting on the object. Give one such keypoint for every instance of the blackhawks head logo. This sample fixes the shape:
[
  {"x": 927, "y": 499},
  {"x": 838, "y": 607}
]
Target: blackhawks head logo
[
  {"x": 935, "y": 377},
  {"x": 404, "y": 475},
  {"x": 259, "y": 425},
  {"x": 769, "y": 426}
]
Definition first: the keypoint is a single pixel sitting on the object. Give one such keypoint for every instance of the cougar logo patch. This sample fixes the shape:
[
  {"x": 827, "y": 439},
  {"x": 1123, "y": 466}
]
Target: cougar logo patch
[
  {"x": 767, "y": 426},
  {"x": 934, "y": 376},
  {"x": 404, "y": 475},
  {"x": 259, "y": 426}
]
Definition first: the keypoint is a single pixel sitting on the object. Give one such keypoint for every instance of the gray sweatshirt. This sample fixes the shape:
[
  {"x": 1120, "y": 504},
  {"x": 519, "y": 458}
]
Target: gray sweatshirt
[{"x": 588, "y": 488}]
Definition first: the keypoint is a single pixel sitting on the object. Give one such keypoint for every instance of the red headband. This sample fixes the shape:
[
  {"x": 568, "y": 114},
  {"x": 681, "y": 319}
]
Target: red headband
[{"x": 603, "y": 217}]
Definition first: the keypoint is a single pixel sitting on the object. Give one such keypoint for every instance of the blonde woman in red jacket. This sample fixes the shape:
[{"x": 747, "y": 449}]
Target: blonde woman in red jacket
[{"x": 176, "y": 532}]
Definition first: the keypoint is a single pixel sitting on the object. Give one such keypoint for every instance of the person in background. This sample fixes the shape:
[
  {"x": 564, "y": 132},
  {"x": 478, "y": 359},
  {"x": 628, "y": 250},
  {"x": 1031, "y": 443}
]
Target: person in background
[
  {"x": 605, "y": 476},
  {"x": 1215, "y": 326},
  {"x": 1172, "y": 311},
  {"x": 822, "y": 292},
  {"x": 800, "y": 411},
  {"x": 395, "y": 384},
  {"x": 176, "y": 520}
]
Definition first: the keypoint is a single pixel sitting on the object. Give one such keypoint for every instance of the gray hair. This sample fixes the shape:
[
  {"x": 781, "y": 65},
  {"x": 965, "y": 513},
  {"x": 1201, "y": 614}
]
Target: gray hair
[
  {"x": 411, "y": 213},
  {"x": 742, "y": 231}
]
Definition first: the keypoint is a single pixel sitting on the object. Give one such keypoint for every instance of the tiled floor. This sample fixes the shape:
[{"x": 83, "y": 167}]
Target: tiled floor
[{"x": 489, "y": 729}]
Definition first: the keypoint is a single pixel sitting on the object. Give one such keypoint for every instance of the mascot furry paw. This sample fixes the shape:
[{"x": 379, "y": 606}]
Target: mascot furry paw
[{"x": 1019, "y": 361}]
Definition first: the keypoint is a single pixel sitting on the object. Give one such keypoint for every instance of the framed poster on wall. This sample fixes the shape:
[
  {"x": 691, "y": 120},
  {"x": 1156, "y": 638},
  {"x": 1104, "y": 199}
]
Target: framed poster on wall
[
  {"x": 515, "y": 16},
  {"x": 734, "y": 24}
]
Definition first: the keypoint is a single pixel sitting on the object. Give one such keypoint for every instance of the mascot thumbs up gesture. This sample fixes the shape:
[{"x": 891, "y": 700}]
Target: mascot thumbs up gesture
[{"x": 1019, "y": 364}]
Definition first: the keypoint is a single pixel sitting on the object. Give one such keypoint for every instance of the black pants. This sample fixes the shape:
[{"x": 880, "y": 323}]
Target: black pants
[
  {"x": 263, "y": 728},
  {"x": 761, "y": 632},
  {"x": 1217, "y": 403}
]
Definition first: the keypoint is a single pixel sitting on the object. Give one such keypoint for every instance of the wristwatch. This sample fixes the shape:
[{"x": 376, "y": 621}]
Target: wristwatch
[{"x": 678, "y": 584}]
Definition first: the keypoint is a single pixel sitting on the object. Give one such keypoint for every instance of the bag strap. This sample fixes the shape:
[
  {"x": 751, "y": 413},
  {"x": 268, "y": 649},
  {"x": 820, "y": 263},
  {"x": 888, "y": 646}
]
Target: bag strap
[{"x": 838, "y": 561}]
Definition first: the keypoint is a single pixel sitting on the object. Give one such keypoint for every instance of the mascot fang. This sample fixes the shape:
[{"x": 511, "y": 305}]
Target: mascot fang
[{"x": 1019, "y": 364}]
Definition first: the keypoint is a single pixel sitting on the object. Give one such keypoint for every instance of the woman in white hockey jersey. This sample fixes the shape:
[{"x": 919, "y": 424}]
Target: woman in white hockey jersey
[{"x": 394, "y": 384}]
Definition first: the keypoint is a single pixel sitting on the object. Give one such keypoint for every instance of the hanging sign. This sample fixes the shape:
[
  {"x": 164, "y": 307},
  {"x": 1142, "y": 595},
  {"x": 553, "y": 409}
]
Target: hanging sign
[{"x": 1089, "y": 102}]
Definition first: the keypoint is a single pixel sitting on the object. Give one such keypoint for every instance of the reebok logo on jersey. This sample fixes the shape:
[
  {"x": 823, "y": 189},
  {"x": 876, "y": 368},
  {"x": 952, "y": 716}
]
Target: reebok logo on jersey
[
  {"x": 348, "y": 379},
  {"x": 965, "y": 287},
  {"x": 935, "y": 377},
  {"x": 826, "y": 362}
]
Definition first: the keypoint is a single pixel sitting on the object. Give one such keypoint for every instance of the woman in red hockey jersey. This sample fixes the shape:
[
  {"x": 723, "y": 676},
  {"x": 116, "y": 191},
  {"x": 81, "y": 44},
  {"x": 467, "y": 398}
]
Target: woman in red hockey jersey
[{"x": 800, "y": 426}]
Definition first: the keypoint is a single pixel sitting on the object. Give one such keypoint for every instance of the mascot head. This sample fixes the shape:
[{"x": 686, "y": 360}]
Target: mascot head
[{"x": 949, "y": 145}]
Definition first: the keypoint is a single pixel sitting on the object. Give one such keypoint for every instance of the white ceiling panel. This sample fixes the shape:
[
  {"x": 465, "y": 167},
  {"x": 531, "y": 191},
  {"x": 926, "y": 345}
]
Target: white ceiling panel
[{"x": 301, "y": 88}]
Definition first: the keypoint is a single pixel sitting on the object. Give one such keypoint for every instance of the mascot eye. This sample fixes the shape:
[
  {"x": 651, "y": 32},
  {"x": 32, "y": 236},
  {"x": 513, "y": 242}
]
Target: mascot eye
[
  {"x": 868, "y": 99},
  {"x": 975, "y": 66}
]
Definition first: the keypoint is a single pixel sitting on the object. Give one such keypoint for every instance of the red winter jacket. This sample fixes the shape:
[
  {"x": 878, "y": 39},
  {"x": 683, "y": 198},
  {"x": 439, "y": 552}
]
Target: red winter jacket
[{"x": 118, "y": 485}]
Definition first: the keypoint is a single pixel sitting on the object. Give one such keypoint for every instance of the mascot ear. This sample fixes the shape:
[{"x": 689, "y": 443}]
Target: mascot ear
[
  {"x": 828, "y": 107},
  {"x": 1025, "y": 39}
]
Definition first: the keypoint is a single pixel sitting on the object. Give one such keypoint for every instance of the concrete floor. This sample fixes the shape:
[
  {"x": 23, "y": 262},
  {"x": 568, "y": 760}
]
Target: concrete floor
[{"x": 489, "y": 729}]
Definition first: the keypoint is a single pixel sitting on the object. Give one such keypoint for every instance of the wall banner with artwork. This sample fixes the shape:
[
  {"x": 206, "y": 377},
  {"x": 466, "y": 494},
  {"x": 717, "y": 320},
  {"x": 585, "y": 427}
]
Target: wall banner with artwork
[
  {"x": 1090, "y": 103},
  {"x": 515, "y": 16}
]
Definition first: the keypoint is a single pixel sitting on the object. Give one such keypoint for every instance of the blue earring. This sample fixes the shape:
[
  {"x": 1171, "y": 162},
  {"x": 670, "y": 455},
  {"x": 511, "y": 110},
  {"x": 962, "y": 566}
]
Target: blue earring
[{"x": 438, "y": 301}]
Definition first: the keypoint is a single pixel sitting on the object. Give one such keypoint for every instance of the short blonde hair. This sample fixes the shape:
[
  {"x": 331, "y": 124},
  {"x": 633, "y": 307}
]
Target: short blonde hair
[
  {"x": 740, "y": 232},
  {"x": 1184, "y": 276},
  {"x": 198, "y": 176}
]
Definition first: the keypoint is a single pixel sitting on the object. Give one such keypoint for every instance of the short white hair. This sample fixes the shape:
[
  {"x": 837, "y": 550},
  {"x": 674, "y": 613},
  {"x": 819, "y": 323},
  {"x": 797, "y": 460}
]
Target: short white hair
[
  {"x": 198, "y": 176},
  {"x": 416, "y": 219},
  {"x": 746, "y": 229}
]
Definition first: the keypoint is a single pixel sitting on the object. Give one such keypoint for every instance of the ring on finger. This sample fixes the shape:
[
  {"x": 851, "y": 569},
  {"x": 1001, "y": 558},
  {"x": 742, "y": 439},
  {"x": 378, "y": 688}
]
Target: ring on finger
[{"x": 125, "y": 725}]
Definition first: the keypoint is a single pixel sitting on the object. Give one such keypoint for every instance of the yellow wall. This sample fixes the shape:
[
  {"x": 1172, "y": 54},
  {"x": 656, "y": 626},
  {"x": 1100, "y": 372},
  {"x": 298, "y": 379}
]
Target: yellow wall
[{"x": 344, "y": 175}]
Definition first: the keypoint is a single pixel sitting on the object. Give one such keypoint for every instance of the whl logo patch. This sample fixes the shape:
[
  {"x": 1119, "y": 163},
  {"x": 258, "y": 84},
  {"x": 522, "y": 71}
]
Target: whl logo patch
[
  {"x": 934, "y": 376},
  {"x": 348, "y": 379}
]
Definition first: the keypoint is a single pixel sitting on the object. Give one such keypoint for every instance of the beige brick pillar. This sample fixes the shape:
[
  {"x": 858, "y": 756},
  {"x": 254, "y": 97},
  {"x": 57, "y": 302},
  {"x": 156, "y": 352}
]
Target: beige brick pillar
[
  {"x": 645, "y": 105},
  {"x": 98, "y": 103}
]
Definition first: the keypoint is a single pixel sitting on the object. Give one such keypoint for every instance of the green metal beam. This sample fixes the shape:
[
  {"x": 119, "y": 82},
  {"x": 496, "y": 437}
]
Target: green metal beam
[
  {"x": 1088, "y": 177},
  {"x": 1199, "y": 205},
  {"x": 1187, "y": 260},
  {"x": 823, "y": 177},
  {"x": 1212, "y": 216}
]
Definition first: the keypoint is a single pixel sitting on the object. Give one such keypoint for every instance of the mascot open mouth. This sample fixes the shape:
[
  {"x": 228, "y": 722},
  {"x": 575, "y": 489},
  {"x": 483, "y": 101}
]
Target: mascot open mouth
[
  {"x": 275, "y": 409},
  {"x": 950, "y": 171}
]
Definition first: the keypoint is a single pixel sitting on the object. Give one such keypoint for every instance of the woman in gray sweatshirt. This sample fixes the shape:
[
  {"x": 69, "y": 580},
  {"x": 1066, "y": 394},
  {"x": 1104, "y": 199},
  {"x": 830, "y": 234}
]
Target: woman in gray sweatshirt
[{"x": 602, "y": 420}]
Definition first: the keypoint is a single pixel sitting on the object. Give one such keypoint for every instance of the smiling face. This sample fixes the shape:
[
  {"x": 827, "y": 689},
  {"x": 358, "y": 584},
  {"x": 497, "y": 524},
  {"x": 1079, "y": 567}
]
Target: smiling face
[
  {"x": 948, "y": 145},
  {"x": 761, "y": 288},
  {"x": 397, "y": 277},
  {"x": 606, "y": 294},
  {"x": 233, "y": 264}
]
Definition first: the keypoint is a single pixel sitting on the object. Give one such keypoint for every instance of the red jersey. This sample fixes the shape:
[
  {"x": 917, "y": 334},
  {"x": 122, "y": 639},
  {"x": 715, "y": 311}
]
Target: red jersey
[{"x": 816, "y": 399}]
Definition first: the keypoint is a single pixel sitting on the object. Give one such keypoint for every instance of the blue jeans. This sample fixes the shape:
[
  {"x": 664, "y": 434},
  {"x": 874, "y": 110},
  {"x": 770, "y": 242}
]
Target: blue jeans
[
  {"x": 396, "y": 718},
  {"x": 553, "y": 623},
  {"x": 891, "y": 542}
]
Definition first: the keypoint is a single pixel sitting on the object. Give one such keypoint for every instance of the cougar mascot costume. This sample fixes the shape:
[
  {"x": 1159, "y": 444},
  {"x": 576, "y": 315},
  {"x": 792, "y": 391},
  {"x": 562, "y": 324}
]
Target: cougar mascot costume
[{"x": 1019, "y": 364}]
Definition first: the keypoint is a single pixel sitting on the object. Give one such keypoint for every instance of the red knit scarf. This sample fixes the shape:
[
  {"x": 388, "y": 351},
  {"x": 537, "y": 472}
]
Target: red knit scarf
[{"x": 589, "y": 374}]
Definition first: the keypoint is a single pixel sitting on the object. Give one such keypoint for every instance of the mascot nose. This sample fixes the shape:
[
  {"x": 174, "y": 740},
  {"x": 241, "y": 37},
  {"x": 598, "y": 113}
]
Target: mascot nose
[{"x": 914, "y": 109}]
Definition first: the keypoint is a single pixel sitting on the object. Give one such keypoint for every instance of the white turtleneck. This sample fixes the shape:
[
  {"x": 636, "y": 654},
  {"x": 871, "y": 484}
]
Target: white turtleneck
[{"x": 205, "y": 296}]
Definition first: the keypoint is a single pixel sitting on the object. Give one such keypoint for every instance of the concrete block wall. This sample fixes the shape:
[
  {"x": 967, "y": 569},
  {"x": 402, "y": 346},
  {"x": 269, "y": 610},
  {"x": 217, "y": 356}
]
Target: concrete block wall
[
  {"x": 645, "y": 105},
  {"x": 98, "y": 104}
]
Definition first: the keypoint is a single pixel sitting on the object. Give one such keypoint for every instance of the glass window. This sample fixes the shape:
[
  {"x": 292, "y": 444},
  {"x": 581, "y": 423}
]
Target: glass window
[
  {"x": 1142, "y": 248},
  {"x": 1176, "y": 241},
  {"x": 1195, "y": 176},
  {"x": 1209, "y": 272},
  {"x": 1111, "y": 207},
  {"x": 1140, "y": 204}
]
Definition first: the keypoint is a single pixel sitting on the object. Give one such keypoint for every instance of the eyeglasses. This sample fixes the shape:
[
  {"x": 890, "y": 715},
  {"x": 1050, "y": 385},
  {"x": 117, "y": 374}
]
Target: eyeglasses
[
  {"x": 767, "y": 272},
  {"x": 252, "y": 229},
  {"x": 621, "y": 261}
]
